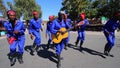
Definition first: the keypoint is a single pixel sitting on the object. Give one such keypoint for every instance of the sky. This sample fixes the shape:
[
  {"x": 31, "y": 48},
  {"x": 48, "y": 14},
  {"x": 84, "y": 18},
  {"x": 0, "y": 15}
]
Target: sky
[{"x": 48, "y": 7}]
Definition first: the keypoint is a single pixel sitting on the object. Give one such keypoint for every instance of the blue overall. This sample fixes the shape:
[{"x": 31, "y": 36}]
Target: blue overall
[
  {"x": 67, "y": 26},
  {"x": 81, "y": 31},
  {"x": 49, "y": 24},
  {"x": 34, "y": 29},
  {"x": 20, "y": 37},
  {"x": 54, "y": 29},
  {"x": 110, "y": 27}
]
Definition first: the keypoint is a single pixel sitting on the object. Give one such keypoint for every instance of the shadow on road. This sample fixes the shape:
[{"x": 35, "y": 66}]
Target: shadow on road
[
  {"x": 93, "y": 52},
  {"x": 90, "y": 51},
  {"x": 47, "y": 55},
  {"x": 43, "y": 52},
  {"x": 28, "y": 49},
  {"x": 43, "y": 46}
]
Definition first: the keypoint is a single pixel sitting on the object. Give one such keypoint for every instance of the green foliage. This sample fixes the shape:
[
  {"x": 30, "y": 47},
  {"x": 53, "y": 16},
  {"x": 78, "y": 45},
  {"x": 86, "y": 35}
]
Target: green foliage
[
  {"x": 93, "y": 8},
  {"x": 110, "y": 8},
  {"x": 24, "y": 8},
  {"x": 3, "y": 9},
  {"x": 74, "y": 7}
]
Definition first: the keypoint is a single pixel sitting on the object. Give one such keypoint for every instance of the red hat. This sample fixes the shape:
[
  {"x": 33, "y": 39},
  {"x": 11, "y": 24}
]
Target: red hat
[
  {"x": 35, "y": 13},
  {"x": 117, "y": 14},
  {"x": 51, "y": 17},
  {"x": 82, "y": 15},
  {"x": 11, "y": 12}
]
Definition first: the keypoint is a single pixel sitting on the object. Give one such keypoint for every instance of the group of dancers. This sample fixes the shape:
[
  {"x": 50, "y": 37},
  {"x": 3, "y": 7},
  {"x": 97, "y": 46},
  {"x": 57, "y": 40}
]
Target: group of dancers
[{"x": 16, "y": 33}]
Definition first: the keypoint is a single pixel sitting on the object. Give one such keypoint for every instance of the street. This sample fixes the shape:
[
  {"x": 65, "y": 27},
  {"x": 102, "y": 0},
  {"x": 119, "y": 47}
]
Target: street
[{"x": 91, "y": 56}]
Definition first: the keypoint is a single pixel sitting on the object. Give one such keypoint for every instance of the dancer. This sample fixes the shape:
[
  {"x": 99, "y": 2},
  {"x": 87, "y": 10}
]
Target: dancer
[
  {"x": 34, "y": 31},
  {"x": 15, "y": 36},
  {"x": 81, "y": 30},
  {"x": 109, "y": 32},
  {"x": 49, "y": 24}
]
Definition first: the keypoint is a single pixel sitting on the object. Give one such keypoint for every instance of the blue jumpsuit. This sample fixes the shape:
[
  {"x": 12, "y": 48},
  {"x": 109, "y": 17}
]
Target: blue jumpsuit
[
  {"x": 20, "y": 37},
  {"x": 81, "y": 31},
  {"x": 49, "y": 24},
  {"x": 67, "y": 26},
  {"x": 34, "y": 28},
  {"x": 110, "y": 27},
  {"x": 54, "y": 29}
]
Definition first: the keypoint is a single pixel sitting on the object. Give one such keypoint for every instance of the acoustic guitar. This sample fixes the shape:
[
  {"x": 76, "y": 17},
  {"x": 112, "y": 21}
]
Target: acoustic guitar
[{"x": 57, "y": 38}]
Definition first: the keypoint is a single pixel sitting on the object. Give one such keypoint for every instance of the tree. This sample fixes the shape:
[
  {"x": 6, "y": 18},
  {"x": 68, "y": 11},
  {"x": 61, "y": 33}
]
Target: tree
[
  {"x": 25, "y": 8},
  {"x": 105, "y": 7},
  {"x": 3, "y": 9},
  {"x": 74, "y": 7},
  {"x": 93, "y": 8},
  {"x": 110, "y": 8}
]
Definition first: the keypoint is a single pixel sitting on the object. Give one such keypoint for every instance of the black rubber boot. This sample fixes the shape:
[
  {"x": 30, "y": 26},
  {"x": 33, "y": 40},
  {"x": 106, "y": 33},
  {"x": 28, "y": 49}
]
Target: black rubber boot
[
  {"x": 106, "y": 49},
  {"x": 80, "y": 47},
  {"x": 20, "y": 58},
  {"x": 53, "y": 46},
  {"x": 48, "y": 45},
  {"x": 59, "y": 61},
  {"x": 65, "y": 46},
  {"x": 12, "y": 59},
  {"x": 33, "y": 47},
  {"x": 37, "y": 48},
  {"x": 76, "y": 43},
  {"x": 109, "y": 49},
  {"x": 81, "y": 43}
]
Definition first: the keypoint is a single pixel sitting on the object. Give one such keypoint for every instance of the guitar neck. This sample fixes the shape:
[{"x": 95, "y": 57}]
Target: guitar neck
[
  {"x": 69, "y": 29},
  {"x": 76, "y": 25}
]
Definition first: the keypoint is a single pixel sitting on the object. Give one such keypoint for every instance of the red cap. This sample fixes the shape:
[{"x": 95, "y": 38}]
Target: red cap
[
  {"x": 11, "y": 12},
  {"x": 35, "y": 13},
  {"x": 51, "y": 17},
  {"x": 82, "y": 15},
  {"x": 117, "y": 14}
]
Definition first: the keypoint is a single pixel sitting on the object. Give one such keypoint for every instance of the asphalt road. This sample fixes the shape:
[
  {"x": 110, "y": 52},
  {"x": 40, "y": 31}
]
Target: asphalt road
[{"x": 91, "y": 56}]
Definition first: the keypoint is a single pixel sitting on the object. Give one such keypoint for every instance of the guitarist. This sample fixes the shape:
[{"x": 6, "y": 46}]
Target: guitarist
[
  {"x": 81, "y": 30},
  {"x": 55, "y": 28}
]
